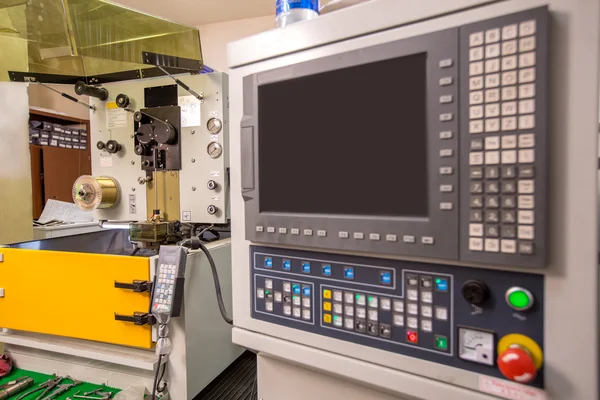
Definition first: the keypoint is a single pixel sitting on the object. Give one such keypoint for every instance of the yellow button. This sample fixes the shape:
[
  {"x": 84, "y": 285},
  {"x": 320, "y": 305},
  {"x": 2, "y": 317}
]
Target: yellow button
[
  {"x": 327, "y": 318},
  {"x": 326, "y": 294},
  {"x": 327, "y": 306}
]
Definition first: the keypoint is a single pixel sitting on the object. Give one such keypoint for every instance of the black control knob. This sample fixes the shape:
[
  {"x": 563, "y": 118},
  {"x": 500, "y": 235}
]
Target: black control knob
[
  {"x": 122, "y": 100},
  {"x": 137, "y": 116},
  {"x": 82, "y": 88},
  {"x": 145, "y": 134},
  {"x": 100, "y": 145},
  {"x": 212, "y": 185},
  {"x": 212, "y": 210},
  {"x": 112, "y": 146},
  {"x": 165, "y": 133},
  {"x": 139, "y": 149},
  {"x": 475, "y": 292}
]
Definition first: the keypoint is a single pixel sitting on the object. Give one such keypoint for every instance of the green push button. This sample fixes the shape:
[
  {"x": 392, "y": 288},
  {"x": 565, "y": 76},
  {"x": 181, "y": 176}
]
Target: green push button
[
  {"x": 441, "y": 342},
  {"x": 519, "y": 298}
]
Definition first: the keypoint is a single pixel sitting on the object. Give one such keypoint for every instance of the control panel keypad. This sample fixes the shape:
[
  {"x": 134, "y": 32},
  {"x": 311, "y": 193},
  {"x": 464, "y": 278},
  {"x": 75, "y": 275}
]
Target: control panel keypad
[
  {"x": 502, "y": 150},
  {"x": 287, "y": 298},
  {"x": 163, "y": 295}
]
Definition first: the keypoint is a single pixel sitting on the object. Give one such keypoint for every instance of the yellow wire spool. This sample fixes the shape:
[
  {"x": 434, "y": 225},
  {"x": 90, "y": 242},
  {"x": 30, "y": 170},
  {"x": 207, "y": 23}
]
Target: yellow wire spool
[{"x": 91, "y": 193}]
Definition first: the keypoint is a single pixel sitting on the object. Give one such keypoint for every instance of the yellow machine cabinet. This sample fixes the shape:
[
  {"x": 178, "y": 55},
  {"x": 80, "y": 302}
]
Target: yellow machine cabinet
[{"x": 73, "y": 294}]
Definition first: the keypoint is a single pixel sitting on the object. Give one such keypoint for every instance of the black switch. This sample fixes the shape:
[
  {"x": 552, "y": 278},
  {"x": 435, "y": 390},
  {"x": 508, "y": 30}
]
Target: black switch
[
  {"x": 361, "y": 326},
  {"x": 475, "y": 292}
]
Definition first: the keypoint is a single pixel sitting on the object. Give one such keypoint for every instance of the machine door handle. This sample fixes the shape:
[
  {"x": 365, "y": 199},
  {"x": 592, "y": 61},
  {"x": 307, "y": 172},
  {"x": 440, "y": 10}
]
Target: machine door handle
[
  {"x": 138, "y": 318},
  {"x": 136, "y": 286}
]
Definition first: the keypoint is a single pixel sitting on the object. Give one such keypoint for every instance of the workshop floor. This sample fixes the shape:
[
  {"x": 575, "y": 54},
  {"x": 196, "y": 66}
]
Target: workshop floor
[{"x": 237, "y": 382}]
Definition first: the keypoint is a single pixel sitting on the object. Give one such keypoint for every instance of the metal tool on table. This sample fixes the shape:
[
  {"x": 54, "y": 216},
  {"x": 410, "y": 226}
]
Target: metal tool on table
[
  {"x": 45, "y": 386},
  {"x": 13, "y": 387},
  {"x": 106, "y": 395},
  {"x": 62, "y": 388}
]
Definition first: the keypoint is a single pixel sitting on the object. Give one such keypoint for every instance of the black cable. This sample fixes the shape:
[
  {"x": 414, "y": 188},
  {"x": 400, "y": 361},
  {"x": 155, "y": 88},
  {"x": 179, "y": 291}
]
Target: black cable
[
  {"x": 213, "y": 267},
  {"x": 156, "y": 377},
  {"x": 135, "y": 251},
  {"x": 163, "y": 387}
]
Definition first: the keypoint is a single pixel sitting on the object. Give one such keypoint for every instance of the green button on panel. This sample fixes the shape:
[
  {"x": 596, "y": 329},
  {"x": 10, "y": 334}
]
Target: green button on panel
[
  {"x": 441, "y": 342},
  {"x": 519, "y": 298}
]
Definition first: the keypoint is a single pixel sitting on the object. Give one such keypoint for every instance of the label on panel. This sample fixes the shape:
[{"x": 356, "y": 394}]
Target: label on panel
[
  {"x": 190, "y": 111},
  {"x": 115, "y": 117}
]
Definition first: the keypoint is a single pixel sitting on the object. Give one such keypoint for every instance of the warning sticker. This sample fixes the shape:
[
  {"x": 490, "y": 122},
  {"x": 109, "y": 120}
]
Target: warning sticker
[
  {"x": 509, "y": 390},
  {"x": 190, "y": 111},
  {"x": 106, "y": 161},
  {"x": 115, "y": 117},
  {"x": 186, "y": 216}
]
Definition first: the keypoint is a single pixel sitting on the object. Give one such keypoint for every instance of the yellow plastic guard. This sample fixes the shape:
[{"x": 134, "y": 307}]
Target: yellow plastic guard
[{"x": 73, "y": 295}]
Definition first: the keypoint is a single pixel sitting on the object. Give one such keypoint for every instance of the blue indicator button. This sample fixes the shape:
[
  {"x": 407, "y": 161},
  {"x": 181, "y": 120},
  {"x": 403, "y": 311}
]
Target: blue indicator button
[
  {"x": 268, "y": 262},
  {"x": 348, "y": 272},
  {"x": 326, "y": 270},
  {"x": 441, "y": 284},
  {"x": 287, "y": 265},
  {"x": 295, "y": 288},
  {"x": 306, "y": 291},
  {"x": 386, "y": 278},
  {"x": 306, "y": 267}
]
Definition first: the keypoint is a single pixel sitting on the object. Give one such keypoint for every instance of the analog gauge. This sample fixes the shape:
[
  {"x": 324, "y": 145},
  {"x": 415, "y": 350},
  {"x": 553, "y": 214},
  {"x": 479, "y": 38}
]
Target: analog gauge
[
  {"x": 214, "y": 126},
  {"x": 214, "y": 149},
  {"x": 476, "y": 346}
]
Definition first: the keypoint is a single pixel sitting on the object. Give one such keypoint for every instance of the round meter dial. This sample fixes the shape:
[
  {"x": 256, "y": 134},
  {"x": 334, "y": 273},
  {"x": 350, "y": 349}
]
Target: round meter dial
[
  {"x": 214, "y": 126},
  {"x": 476, "y": 346},
  {"x": 214, "y": 149}
]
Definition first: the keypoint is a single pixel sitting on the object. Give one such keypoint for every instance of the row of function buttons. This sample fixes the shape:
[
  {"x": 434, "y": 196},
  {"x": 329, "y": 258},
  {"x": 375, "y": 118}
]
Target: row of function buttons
[
  {"x": 510, "y": 47},
  {"x": 507, "y": 108},
  {"x": 507, "y": 79},
  {"x": 508, "y": 95},
  {"x": 346, "y": 235},
  {"x": 507, "y": 246},
  {"x": 385, "y": 277},
  {"x": 521, "y": 156},
  {"x": 508, "y": 32}
]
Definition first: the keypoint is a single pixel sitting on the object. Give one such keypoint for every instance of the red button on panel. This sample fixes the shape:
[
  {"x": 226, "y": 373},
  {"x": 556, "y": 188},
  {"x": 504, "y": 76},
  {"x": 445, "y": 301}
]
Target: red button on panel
[{"x": 412, "y": 336}]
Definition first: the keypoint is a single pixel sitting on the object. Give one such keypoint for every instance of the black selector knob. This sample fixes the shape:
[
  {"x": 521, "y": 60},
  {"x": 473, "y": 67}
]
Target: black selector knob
[
  {"x": 112, "y": 146},
  {"x": 122, "y": 100},
  {"x": 211, "y": 185},
  {"x": 100, "y": 145},
  {"x": 139, "y": 149},
  {"x": 475, "y": 292},
  {"x": 212, "y": 210}
]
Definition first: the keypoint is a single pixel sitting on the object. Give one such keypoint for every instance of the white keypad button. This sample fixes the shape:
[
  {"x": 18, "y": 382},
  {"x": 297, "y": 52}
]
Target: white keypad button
[
  {"x": 428, "y": 239},
  {"x": 526, "y": 232},
  {"x": 296, "y": 300},
  {"x": 527, "y": 44},
  {"x": 373, "y": 302},
  {"x": 476, "y": 230},
  {"x": 441, "y": 313},
  {"x": 349, "y": 311},
  {"x": 349, "y": 298},
  {"x": 476, "y": 68},
  {"x": 476, "y": 39},
  {"x": 492, "y": 66},
  {"x": 283, "y": 231},
  {"x": 446, "y": 81},
  {"x": 343, "y": 235},
  {"x": 338, "y": 295},
  {"x": 509, "y": 63},
  {"x": 476, "y": 83},
  {"x": 398, "y": 306},
  {"x": 492, "y": 157},
  {"x": 526, "y": 106},
  {"x": 427, "y": 297},
  {"x": 476, "y": 54},
  {"x": 527, "y": 140},
  {"x": 295, "y": 231},
  {"x": 476, "y": 126},
  {"x": 509, "y": 142},
  {"x": 337, "y": 308},
  {"x": 492, "y": 95},
  {"x": 321, "y": 233},
  {"x": 527, "y": 91},
  {"x": 338, "y": 322},
  {"x": 271, "y": 229},
  {"x": 358, "y": 235},
  {"x": 306, "y": 302},
  {"x": 308, "y": 232},
  {"x": 391, "y": 238},
  {"x": 446, "y": 153},
  {"x": 374, "y": 236},
  {"x": 509, "y": 123},
  {"x": 269, "y": 306},
  {"x": 527, "y": 75},
  {"x": 509, "y": 47},
  {"x": 260, "y": 229},
  {"x": 475, "y": 244},
  {"x": 526, "y": 217},
  {"x": 492, "y": 80},
  {"x": 526, "y": 122},
  {"x": 446, "y": 99},
  {"x": 510, "y": 32},
  {"x": 361, "y": 312},
  {"x": 444, "y": 135},
  {"x": 268, "y": 284},
  {"x": 349, "y": 323},
  {"x": 398, "y": 320},
  {"x": 526, "y": 156},
  {"x": 446, "y": 188},
  {"x": 526, "y": 202},
  {"x": 426, "y": 325},
  {"x": 412, "y": 294},
  {"x": 446, "y": 63},
  {"x": 476, "y": 97},
  {"x": 509, "y": 78},
  {"x": 476, "y": 112},
  {"x": 412, "y": 322},
  {"x": 492, "y": 245},
  {"x": 426, "y": 311},
  {"x": 492, "y": 125},
  {"x": 445, "y": 117},
  {"x": 492, "y": 35},
  {"x": 527, "y": 28},
  {"x": 476, "y": 158},
  {"x": 508, "y": 246},
  {"x": 260, "y": 293},
  {"x": 492, "y": 110},
  {"x": 509, "y": 93},
  {"x": 287, "y": 287},
  {"x": 526, "y": 186},
  {"x": 509, "y": 157},
  {"x": 278, "y": 297},
  {"x": 306, "y": 315},
  {"x": 492, "y": 143},
  {"x": 509, "y": 108},
  {"x": 492, "y": 51},
  {"x": 287, "y": 310},
  {"x": 385, "y": 304},
  {"x": 412, "y": 309},
  {"x": 373, "y": 315},
  {"x": 408, "y": 239}
]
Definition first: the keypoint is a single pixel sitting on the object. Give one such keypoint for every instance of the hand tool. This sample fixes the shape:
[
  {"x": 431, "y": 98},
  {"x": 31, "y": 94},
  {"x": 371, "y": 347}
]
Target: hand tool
[
  {"x": 46, "y": 387},
  {"x": 11, "y": 388},
  {"x": 62, "y": 388}
]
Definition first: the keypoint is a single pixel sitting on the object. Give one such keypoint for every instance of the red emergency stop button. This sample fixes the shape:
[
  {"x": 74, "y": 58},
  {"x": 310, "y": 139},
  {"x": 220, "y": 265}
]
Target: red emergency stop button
[{"x": 516, "y": 364}]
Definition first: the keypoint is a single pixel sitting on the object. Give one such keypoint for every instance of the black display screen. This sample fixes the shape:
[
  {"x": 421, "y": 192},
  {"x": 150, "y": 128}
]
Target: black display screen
[{"x": 348, "y": 141}]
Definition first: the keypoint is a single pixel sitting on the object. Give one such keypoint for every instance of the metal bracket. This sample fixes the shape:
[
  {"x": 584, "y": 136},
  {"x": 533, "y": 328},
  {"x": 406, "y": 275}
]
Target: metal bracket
[
  {"x": 138, "y": 318},
  {"x": 163, "y": 60},
  {"x": 136, "y": 286}
]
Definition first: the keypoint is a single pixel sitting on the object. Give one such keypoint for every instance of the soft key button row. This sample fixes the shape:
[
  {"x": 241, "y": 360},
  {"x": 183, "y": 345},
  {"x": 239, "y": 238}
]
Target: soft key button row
[{"x": 447, "y": 108}]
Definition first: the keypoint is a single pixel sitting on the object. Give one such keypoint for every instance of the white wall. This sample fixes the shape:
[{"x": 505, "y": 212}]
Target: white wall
[
  {"x": 214, "y": 37},
  {"x": 15, "y": 165}
]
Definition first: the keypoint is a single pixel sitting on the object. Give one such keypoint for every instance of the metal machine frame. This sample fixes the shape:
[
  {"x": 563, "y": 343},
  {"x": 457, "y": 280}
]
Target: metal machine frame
[{"x": 570, "y": 277}]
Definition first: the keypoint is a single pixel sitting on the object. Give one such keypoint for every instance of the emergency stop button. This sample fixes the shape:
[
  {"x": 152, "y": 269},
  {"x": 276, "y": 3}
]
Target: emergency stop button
[{"x": 519, "y": 358}]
